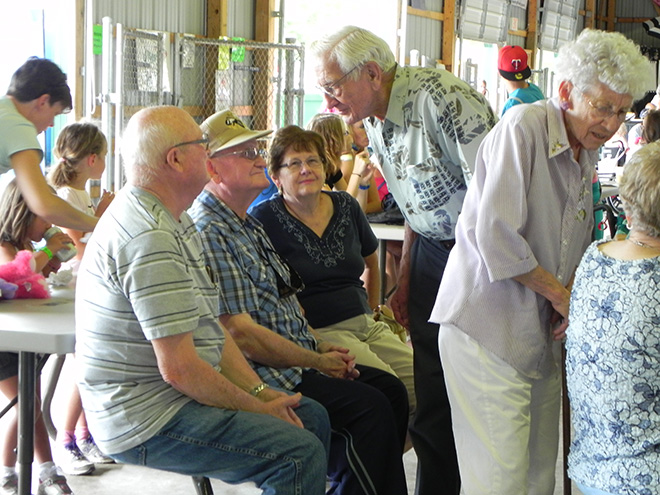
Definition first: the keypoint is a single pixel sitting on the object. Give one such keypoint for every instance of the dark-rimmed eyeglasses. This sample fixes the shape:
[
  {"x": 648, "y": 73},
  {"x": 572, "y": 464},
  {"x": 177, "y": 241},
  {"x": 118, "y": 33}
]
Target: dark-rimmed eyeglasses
[
  {"x": 204, "y": 141},
  {"x": 606, "y": 111},
  {"x": 249, "y": 154},
  {"x": 333, "y": 89}
]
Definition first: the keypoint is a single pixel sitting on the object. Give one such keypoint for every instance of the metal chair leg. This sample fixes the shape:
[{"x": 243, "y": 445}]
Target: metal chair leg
[{"x": 202, "y": 485}]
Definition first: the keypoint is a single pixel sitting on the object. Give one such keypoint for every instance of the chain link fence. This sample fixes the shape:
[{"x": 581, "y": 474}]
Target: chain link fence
[{"x": 260, "y": 82}]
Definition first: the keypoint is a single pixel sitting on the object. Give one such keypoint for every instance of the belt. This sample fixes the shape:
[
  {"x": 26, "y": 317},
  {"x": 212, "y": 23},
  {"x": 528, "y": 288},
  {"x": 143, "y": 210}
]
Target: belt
[{"x": 448, "y": 243}]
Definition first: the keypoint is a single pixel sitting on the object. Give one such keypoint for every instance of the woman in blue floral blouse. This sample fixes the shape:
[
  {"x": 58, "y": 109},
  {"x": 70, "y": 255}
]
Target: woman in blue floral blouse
[{"x": 613, "y": 347}]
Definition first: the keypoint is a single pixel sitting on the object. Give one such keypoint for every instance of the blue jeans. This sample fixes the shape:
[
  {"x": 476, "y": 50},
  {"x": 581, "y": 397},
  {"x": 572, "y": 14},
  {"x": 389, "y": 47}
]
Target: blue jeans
[{"x": 239, "y": 446}]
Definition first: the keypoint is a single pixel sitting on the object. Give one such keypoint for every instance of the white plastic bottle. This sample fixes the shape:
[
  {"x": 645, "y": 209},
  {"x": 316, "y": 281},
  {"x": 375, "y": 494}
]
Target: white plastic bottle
[{"x": 64, "y": 254}]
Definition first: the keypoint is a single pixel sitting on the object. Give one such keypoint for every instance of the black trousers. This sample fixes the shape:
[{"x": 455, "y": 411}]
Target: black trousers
[
  {"x": 369, "y": 418},
  {"x": 431, "y": 432}
]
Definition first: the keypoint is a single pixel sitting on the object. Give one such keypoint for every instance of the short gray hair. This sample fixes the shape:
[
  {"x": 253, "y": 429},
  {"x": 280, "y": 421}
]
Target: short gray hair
[
  {"x": 148, "y": 136},
  {"x": 606, "y": 57},
  {"x": 639, "y": 187},
  {"x": 352, "y": 47}
]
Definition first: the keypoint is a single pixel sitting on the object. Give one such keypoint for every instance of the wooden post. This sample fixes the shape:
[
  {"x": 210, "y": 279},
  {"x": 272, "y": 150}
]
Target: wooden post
[
  {"x": 449, "y": 34},
  {"x": 590, "y": 13},
  {"x": 216, "y": 18},
  {"x": 531, "y": 41},
  {"x": 611, "y": 14},
  {"x": 265, "y": 29}
]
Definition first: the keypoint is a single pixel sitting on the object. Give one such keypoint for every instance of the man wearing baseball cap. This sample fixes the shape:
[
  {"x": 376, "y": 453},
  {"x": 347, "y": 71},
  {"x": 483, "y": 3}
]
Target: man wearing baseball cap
[
  {"x": 257, "y": 304},
  {"x": 512, "y": 65},
  {"x": 163, "y": 384}
]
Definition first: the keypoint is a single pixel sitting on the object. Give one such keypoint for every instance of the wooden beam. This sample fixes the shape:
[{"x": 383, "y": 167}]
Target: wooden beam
[
  {"x": 531, "y": 40},
  {"x": 518, "y": 32},
  {"x": 631, "y": 20},
  {"x": 265, "y": 29},
  {"x": 448, "y": 34},
  {"x": 216, "y": 18},
  {"x": 216, "y": 26},
  {"x": 611, "y": 14},
  {"x": 429, "y": 14},
  {"x": 589, "y": 13},
  {"x": 262, "y": 21},
  {"x": 602, "y": 12}
]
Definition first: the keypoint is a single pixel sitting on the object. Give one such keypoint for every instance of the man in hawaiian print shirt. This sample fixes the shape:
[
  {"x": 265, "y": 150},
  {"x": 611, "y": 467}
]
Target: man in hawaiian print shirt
[{"x": 425, "y": 126}]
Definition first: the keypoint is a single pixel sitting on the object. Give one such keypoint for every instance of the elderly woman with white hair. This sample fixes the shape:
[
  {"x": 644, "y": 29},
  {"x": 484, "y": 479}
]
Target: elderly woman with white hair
[
  {"x": 613, "y": 346},
  {"x": 525, "y": 224}
]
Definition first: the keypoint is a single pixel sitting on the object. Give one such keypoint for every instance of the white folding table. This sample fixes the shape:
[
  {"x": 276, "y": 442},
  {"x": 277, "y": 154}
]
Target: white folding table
[
  {"x": 384, "y": 233},
  {"x": 30, "y": 327}
]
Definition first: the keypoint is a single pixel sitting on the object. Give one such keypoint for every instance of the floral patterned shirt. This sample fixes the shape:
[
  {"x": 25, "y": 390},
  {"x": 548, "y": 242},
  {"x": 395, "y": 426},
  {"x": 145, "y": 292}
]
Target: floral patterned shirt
[
  {"x": 613, "y": 374},
  {"x": 427, "y": 145}
]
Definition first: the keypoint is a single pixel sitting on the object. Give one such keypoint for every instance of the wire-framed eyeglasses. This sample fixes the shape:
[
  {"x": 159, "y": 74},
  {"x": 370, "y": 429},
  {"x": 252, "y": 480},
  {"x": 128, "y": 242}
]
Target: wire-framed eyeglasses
[
  {"x": 249, "y": 154},
  {"x": 204, "y": 141},
  {"x": 296, "y": 165},
  {"x": 333, "y": 89},
  {"x": 607, "y": 111}
]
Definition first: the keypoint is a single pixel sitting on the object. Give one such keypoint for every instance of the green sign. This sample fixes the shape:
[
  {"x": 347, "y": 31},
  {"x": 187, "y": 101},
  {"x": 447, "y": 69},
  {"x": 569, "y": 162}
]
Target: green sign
[{"x": 97, "y": 44}]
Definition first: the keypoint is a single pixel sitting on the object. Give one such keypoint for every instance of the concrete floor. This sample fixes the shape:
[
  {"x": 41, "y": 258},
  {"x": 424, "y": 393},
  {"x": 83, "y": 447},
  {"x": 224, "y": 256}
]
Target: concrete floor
[{"x": 125, "y": 479}]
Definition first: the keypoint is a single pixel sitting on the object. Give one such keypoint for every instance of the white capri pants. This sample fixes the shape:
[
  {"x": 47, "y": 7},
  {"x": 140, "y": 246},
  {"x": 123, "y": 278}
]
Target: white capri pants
[{"x": 506, "y": 425}]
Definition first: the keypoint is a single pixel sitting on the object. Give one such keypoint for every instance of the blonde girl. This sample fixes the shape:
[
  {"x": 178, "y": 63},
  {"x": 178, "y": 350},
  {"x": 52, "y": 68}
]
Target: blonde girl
[
  {"x": 347, "y": 171},
  {"x": 80, "y": 150}
]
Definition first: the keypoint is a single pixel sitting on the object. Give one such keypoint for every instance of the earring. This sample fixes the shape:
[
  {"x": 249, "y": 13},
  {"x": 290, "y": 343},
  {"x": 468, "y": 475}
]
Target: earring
[
  {"x": 564, "y": 105},
  {"x": 628, "y": 223}
]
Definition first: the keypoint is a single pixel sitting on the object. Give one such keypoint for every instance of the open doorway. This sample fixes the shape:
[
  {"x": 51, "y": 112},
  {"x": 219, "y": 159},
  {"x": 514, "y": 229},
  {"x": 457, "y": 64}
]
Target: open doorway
[
  {"x": 307, "y": 21},
  {"x": 478, "y": 67}
]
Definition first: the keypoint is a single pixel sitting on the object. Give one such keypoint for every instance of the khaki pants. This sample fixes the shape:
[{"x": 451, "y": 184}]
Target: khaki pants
[
  {"x": 374, "y": 344},
  {"x": 506, "y": 425}
]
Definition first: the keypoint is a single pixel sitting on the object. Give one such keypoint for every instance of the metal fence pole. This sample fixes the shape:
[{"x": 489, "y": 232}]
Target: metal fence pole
[{"x": 107, "y": 71}]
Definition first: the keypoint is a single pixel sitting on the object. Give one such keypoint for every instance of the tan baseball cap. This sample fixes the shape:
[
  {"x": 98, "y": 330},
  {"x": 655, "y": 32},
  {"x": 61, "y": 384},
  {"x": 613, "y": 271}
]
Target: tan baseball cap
[{"x": 225, "y": 130}]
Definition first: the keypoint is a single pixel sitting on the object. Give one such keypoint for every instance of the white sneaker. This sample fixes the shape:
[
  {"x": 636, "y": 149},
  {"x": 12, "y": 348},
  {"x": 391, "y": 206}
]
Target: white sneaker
[
  {"x": 72, "y": 461},
  {"x": 55, "y": 485},
  {"x": 9, "y": 485},
  {"x": 93, "y": 454}
]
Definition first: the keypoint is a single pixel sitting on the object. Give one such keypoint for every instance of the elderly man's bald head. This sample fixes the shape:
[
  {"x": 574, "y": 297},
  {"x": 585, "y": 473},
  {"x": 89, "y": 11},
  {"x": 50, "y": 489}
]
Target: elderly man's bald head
[{"x": 149, "y": 135}]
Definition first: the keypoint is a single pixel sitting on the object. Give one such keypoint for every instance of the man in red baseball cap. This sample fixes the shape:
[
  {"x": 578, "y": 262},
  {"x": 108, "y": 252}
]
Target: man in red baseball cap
[{"x": 512, "y": 65}]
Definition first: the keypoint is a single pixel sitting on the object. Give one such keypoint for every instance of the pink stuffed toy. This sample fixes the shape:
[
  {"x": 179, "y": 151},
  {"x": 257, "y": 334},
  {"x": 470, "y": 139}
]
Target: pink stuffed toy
[{"x": 31, "y": 285}]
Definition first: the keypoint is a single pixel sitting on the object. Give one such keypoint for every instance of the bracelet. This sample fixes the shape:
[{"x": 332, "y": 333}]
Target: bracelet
[
  {"x": 355, "y": 173},
  {"x": 259, "y": 388},
  {"x": 48, "y": 252},
  {"x": 364, "y": 188}
]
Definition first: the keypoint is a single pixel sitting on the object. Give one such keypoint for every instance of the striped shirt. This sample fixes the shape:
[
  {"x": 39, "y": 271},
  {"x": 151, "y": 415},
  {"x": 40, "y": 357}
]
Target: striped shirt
[
  {"x": 244, "y": 264},
  {"x": 529, "y": 204},
  {"x": 142, "y": 278}
]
